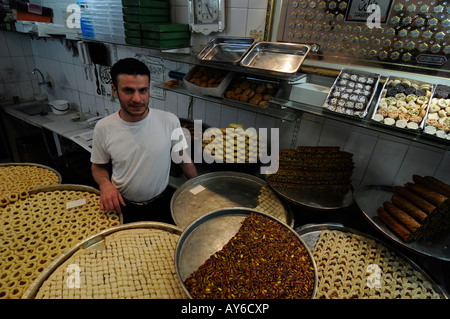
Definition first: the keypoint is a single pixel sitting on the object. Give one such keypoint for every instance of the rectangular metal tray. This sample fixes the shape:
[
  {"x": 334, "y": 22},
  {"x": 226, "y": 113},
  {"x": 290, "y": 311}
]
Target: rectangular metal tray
[
  {"x": 226, "y": 49},
  {"x": 363, "y": 112},
  {"x": 383, "y": 94},
  {"x": 276, "y": 58}
]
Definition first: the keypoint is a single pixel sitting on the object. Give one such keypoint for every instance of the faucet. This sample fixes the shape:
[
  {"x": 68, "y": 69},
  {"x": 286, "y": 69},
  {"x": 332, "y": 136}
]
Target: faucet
[{"x": 43, "y": 82}]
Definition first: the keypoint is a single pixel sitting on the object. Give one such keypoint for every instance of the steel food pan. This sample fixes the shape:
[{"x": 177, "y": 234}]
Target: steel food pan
[
  {"x": 383, "y": 95},
  {"x": 92, "y": 242},
  {"x": 370, "y": 197},
  {"x": 310, "y": 234},
  {"x": 208, "y": 234},
  {"x": 348, "y": 94},
  {"x": 276, "y": 58},
  {"x": 226, "y": 49},
  {"x": 218, "y": 190}
]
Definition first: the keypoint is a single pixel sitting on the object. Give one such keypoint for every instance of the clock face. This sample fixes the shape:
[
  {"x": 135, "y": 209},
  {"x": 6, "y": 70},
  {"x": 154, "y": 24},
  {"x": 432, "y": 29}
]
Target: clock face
[{"x": 206, "y": 11}]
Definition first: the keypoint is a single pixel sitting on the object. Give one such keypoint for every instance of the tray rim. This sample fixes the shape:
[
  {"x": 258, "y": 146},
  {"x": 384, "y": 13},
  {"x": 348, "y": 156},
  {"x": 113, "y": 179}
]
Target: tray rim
[
  {"x": 242, "y": 212},
  {"x": 374, "y": 90},
  {"x": 384, "y": 230},
  {"x": 278, "y": 73},
  {"x": 32, "y": 290},
  {"x": 309, "y": 228},
  {"x": 190, "y": 183},
  {"x": 38, "y": 165},
  {"x": 209, "y": 46}
]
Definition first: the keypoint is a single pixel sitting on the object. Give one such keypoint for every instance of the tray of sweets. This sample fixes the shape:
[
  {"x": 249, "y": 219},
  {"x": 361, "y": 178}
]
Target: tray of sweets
[
  {"x": 218, "y": 190},
  {"x": 354, "y": 265},
  {"x": 105, "y": 260},
  {"x": 212, "y": 234},
  {"x": 352, "y": 92},
  {"x": 370, "y": 198},
  {"x": 403, "y": 103},
  {"x": 252, "y": 91},
  {"x": 437, "y": 121}
]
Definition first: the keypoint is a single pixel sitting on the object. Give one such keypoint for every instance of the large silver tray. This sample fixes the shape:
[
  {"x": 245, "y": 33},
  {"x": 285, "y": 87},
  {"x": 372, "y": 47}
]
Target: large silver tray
[
  {"x": 209, "y": 234},
  {"x": 69, "y": 187},
  {"x": 225, "y": 49},
  {"x": 34, "y": 164},
  {"x": 221, "y": 190},
  {"x": 317, "y": 199},
  {"x": 92, "y": 242},
  {"x": 310, "y": 234},
  {"x": 275, "y": 58},
  {"x": 369, "y": 198}
]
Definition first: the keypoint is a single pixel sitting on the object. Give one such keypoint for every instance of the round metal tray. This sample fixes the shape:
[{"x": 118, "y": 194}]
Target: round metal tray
[
  {"x": 369, "y": 198},
  {"x": 317, "y": 199},
  {"x": 213, "y": 191},
  {"x": 310, "y": 234},
  {"x": 69, "y": 187},
  {"x": 209, "y": 234},
  {"x": 34, "y": 164},
  {"x": 91, "y": 243}
]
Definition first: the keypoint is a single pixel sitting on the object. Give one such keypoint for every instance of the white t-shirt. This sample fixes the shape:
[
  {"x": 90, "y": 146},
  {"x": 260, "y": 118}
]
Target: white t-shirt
[{"x": 140, "y": 152}]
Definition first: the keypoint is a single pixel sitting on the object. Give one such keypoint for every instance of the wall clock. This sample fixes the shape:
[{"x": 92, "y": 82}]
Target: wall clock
[{"x": 206, "y": 16}]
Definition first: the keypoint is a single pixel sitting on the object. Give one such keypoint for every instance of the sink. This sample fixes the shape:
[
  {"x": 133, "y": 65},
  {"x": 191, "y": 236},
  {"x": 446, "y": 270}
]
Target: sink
[{"x": 36, "y": 108}]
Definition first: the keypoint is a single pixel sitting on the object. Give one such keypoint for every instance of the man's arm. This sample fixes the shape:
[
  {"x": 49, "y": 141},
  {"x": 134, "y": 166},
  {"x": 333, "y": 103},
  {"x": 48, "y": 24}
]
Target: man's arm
[
  {"x": 187, "y": 166},
  {"x": 110, "y": 197}
]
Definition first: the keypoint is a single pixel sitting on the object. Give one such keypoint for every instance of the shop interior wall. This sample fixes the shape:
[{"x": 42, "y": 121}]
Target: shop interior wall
[{"x": 380, "y": 158}]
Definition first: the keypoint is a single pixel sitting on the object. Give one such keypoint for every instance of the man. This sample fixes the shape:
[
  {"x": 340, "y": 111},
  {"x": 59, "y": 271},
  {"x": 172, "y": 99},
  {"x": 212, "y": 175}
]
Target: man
[{"x": 137, "y": 142}]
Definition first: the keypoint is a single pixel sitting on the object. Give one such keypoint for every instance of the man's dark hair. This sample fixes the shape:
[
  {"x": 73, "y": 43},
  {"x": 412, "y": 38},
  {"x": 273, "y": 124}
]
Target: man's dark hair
[{"x": 129, "y": 66}]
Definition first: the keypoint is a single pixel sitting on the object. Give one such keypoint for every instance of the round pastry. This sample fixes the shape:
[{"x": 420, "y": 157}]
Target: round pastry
[
  {"x": 378, "y": 117},
  {"x": 421, "y": 92},
  {"x": 412, "y": 125},
  {"x": 401, "y": 123},
  {"x": 422, "y": 99},
  {"x": 359, "y": 106},
  {"x": 430, "y": 129},
  {"x": 410, "y": 90},
  {"x": 389, "y": 121},
  {"x": 406, "y": 83},
  {"x": 399, "y": 88}
]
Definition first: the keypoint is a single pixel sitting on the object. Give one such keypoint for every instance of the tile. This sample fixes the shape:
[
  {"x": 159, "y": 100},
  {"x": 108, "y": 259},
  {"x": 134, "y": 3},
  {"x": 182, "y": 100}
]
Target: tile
[
  {"x": 286, "y": 131},
  {"x": 183, "y": 102},
  {"x": 246, "y": 118},
  {"x": 228, "y": 115},
  {"x": 264, "y": 121},
  {"x": 418, "y": 161},
  {"x": 256, "y": 20},
  {"x": 334, "y": 133},
  {"x": 199, "y": 110},
  {"x": 362, "y": 147},
  {"x": 236, "y": 24},
  {"x": 309, "y": 133},
  {"x": 257, "y": 4},
  {"x": 443, "y": 171},
  {"x": 385, "y": 163},
  {"x": 237, "y": 3},
  {"x": 213, "y": 114}
]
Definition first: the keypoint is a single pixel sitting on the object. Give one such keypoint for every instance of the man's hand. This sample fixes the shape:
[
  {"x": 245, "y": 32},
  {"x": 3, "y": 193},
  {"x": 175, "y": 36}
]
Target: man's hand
[{"x": 110, "y": 198}]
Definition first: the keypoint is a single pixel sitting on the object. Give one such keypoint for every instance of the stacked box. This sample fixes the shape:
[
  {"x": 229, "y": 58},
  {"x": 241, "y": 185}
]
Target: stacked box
[
  {"x": 137, "y": 12},
  {"x": 164, "y": 35}
]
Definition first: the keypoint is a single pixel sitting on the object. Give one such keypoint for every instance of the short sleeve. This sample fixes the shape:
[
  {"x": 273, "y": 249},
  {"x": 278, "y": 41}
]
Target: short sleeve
[{"x": 99, "y": 154}]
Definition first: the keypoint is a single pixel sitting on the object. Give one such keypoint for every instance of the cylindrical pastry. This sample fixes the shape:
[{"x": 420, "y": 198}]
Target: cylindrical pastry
[
  {"x": 423, "y": 204},
  {"x": 409, "y": 208},
  {"x": 393, "y": 224},
  {"x": 431, "y": 196},
  {"x": 434, "y": 184},
  {"x": 402, "y": 217}
]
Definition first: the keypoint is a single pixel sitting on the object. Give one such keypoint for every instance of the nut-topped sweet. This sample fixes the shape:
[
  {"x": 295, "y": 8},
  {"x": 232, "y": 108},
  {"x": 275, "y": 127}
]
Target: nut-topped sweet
[{"x": 403, "y": 103}]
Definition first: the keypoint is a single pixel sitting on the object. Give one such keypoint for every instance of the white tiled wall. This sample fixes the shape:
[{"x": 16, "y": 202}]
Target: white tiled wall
[{"x": 379, "y": 158}]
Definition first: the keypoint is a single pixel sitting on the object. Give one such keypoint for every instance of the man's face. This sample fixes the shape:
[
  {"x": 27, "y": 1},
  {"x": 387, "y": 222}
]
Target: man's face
[{"x": 133, "y": 94}]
